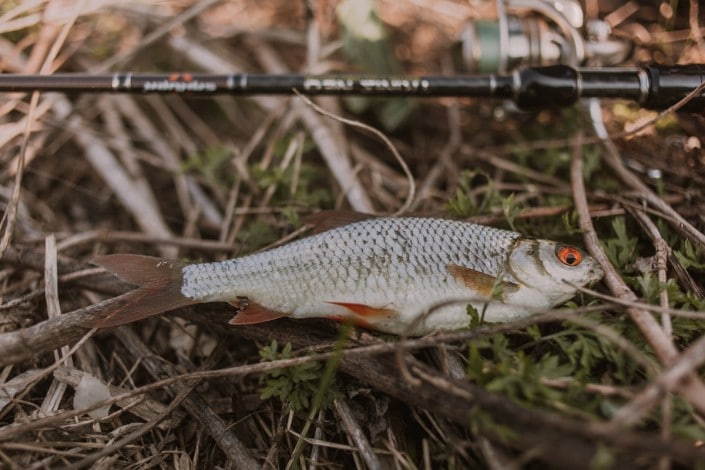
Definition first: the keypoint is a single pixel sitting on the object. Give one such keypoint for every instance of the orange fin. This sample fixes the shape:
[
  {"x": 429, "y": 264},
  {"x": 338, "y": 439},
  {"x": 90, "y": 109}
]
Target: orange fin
[
  {"x": 479, "y": 282},
  {"x": 482, "y": 283},
  {"x": 159, "y": 288},
  {"x": 366, "y": 311},
  {"x": 327, "y": 220},
  {"x": 355, "y": 320},
  {"x": 252, "y": 313}
]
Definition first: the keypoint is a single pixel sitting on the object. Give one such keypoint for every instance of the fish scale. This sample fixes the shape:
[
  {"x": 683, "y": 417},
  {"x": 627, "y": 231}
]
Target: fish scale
[
  {"x": 404, "y": 251},
  {"x": 382, "y": 273}
]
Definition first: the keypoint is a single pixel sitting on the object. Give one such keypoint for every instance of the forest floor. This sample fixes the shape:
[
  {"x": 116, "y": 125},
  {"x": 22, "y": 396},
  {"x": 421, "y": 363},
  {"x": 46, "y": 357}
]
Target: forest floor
[{"x": 613, "y": 378}]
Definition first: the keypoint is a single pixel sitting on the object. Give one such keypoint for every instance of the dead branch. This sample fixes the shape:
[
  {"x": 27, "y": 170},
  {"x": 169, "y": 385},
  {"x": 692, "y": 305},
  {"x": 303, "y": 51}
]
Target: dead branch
[
  {"x": 193, "y": 403},
  {"x": 693, "y": 389},
  {"x": 564, "y": 442},
  {"x": 347, "y": 419}
]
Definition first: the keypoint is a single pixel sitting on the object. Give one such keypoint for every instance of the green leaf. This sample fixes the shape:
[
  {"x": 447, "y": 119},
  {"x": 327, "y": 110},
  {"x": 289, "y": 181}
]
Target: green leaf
[
  {"x": 510, "y": 208},
  {"x": 294, "y": 385},
  {"x": 620, "y": 249},
  {"x": 689, "y": 256},
  {"x": 466, "y": 204},
  {"x": 474, "y": 315},
  {"x": 212, "y": 165}
]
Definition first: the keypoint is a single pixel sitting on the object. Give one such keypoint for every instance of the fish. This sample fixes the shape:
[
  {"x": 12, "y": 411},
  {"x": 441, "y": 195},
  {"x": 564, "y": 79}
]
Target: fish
[{"x": 398, "y": 275}]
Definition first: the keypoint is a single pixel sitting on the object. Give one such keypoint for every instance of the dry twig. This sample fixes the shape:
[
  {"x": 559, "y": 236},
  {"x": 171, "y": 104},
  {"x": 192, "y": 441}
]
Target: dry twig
[
  {"x": 196, "y": 406},
  {"x": 693, "y": 389}
]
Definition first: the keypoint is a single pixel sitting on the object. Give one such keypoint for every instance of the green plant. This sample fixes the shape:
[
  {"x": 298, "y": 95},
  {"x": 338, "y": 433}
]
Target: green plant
[
  {"x": 689, "y": 256},
  {"x": 295, "y": 385},
  {"x": 621, "y": 248},
  {"x": 257, "y": 234},
  {"x": 302, "y": 187},
  {"x": 514, "y": 373},
  {"x": 465, "y": 203},
  {"x": 211, "y": 164},
  {"x": 510, "y": 209}
]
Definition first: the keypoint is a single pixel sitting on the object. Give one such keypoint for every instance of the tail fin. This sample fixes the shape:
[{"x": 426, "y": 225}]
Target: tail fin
[{"x": 159, "y": 288}]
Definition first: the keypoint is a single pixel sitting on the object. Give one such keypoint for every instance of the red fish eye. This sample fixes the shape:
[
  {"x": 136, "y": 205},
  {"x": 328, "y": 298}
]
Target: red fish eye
[{"x": 570, "y": 256}]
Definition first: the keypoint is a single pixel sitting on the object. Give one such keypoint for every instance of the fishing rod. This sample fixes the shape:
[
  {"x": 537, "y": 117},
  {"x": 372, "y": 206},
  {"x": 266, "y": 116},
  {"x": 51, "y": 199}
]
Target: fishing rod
[{"x": 654, "y": 87}]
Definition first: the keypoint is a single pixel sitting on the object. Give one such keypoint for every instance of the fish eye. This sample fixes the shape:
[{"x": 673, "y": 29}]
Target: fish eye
[{"x": 568, "y": 255}]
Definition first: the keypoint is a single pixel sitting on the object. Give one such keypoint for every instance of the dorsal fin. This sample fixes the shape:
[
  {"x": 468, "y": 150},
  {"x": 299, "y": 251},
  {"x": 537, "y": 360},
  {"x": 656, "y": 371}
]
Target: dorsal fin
[{"x": 327, "y": 220}]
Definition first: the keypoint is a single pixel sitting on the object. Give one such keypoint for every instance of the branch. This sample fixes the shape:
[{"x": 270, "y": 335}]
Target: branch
[
  {"x": 557, "y": 440},
  {"x": 693, "y": 389}
]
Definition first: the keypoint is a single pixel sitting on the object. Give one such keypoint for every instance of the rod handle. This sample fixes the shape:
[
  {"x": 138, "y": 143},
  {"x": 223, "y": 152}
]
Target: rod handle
[{"x": 653, "y": 87}]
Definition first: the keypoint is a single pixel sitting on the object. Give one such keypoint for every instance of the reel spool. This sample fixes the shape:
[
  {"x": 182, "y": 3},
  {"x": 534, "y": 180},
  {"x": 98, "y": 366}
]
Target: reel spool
[{"x": 538, "y": 32}]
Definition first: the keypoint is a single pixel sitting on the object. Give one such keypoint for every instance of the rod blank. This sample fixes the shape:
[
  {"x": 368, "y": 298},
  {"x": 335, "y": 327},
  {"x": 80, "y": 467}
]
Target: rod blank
[{"x": 656, "y": 87}]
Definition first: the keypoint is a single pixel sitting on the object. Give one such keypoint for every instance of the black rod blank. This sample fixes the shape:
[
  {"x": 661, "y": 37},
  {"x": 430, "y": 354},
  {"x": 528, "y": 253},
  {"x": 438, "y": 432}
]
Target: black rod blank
[{"x": 655, "y": 87}]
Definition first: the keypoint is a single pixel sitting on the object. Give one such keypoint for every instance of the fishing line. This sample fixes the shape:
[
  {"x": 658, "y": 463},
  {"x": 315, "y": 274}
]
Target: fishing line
[{"x": 405, "y": 168}]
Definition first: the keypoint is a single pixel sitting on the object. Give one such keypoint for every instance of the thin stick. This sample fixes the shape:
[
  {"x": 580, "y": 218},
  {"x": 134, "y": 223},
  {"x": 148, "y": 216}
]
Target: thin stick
[
  {"x": 459, "y": 399},
  {"x": 51, "y": 285},
  {"x": 326, "y": 140},
  {"x": 676, "y": 312},
  {"x": 694, "y": 389},
  {"x": 695, "y": 235},
  {"x": 350, "y": 122},
  {"x": 663, "y": 251},
  {"x": 27, "y": 343},
  {"x": 612, "y": 158},
  {"x": 194, "y": 404},
  {"x": 189, "y": 13},
  {"x": 143, "y": 408},
  {"x": 669, "y": 380},
  {"x": 9, "y": 218},
  {"x": 137, "y": 433}
]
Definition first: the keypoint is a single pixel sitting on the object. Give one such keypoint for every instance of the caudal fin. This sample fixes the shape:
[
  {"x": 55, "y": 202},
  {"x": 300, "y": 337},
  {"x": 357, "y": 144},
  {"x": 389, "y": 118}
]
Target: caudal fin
[{"x": 159, "y": 287}]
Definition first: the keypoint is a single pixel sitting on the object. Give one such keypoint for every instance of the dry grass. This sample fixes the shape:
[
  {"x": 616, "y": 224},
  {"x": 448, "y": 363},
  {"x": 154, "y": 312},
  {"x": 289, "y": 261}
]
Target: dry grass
[{"x": 218, "y": 177}]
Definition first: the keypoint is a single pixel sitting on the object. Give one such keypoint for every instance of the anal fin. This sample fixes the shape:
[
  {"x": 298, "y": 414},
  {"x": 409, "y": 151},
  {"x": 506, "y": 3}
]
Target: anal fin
[
  {"x": 251, "y": 313},
  {"x": 368, "y": 312}
]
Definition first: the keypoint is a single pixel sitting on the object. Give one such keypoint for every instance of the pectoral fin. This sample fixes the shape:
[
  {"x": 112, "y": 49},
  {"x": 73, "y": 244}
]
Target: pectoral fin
[
  {"x": 252, "y": 313},
  {"x": 479, "y": 282}
]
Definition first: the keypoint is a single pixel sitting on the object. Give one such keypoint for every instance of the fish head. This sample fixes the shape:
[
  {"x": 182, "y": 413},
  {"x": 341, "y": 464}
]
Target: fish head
[{"x": 547, "y": 268}]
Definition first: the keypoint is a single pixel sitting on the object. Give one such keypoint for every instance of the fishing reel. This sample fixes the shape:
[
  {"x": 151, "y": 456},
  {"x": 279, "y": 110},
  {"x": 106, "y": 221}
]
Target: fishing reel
[{"x": 536, "y": 33}]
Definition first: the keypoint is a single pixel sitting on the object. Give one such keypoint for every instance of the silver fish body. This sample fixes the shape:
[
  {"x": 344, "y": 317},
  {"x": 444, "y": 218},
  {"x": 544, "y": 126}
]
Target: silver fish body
[{"x": 386, "y": 272}]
